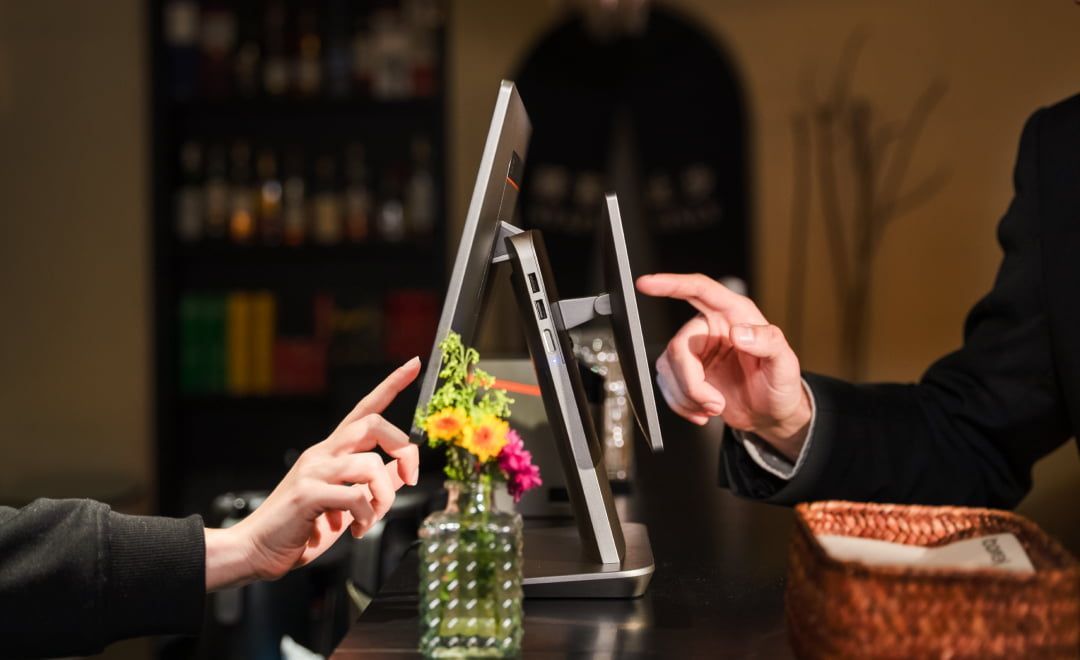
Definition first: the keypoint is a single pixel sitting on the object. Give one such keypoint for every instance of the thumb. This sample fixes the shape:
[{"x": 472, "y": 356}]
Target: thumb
[{"x": 767, "y": 342}]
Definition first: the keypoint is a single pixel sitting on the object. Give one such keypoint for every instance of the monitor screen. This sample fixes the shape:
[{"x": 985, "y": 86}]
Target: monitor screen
[{"x": 493, "y": 200}]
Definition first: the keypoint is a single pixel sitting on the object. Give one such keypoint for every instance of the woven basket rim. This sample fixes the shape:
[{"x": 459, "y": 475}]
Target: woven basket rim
[{"x": 935, "y": 574}]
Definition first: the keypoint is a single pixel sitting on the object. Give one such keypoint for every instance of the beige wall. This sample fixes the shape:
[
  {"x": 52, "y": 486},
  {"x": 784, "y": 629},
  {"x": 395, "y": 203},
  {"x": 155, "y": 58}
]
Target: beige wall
[
  {"x": 1001, "y": 60},
  {"x": 74, "y": 381}
]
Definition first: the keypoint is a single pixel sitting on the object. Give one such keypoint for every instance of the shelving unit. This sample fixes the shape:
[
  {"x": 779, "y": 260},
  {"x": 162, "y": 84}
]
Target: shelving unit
[{"x": 209, "y": 442}]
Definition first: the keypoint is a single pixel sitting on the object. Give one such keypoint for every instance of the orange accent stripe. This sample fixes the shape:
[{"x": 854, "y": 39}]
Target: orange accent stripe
[
  {"x": 513, "y": 183},
  {"x": 518, "y": 388}
]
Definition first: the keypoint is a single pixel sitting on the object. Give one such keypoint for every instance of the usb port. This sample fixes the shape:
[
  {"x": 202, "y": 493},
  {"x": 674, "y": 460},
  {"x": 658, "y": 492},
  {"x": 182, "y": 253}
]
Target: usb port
[
  {"x": 534, "y": 284},
  {"x": 541, "y": 311},
  {"x": 549, "y": 341}
]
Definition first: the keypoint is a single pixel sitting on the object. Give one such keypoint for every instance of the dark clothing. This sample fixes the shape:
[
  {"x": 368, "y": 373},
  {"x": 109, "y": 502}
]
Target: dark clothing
[
  {"x": 75, "y": 576},
  {"x": 969, "y": 432}
]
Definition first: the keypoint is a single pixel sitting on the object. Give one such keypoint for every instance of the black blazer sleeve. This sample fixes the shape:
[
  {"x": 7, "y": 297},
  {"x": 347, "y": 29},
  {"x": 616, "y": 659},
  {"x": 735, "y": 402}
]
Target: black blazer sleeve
[
  {"x": 969, "y": 432},
  {"x": 75, "y": 576}
]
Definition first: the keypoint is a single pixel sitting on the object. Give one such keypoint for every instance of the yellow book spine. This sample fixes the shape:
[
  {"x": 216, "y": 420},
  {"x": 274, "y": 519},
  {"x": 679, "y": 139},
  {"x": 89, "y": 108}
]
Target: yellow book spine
[
  {"x": 238, "y": 347},
  {"x": 263, "y": 328}
]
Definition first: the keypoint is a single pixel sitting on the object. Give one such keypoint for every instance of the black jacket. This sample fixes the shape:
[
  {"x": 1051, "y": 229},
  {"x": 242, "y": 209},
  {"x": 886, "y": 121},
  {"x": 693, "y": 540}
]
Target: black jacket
[
  {"x": 969, "y": 432},
  {"x": 75, "y": 576}
]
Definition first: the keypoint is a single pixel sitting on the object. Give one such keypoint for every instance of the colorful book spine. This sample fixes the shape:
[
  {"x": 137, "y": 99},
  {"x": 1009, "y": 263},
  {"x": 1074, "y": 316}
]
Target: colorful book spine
[
  {"x": 238, "y": 348},
  {"x": 263, "y": 330}
]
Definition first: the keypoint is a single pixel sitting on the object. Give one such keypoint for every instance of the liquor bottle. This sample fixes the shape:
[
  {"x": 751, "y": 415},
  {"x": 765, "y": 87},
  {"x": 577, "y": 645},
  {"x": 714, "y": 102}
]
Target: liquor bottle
[
  {"x": 241, "y": 195},
  {"x": 270, "y": 198},
  {"x": 362, "y": 55},
  {"x": 248, "y": 57},
  {"x": 336, "y": 49},
  {"x": 420, "y": 192},
  {"x": 216, "y": 41},
  {"x": 189, "y": 198},
  {"x": 357, "y": 195},
  {"x": 391, "y": 57},
  {"x": 391, "y": 217},
  {"x": 308, "y": 64},
  {"x": 217, "y": 193},
  {"x": 424, "y": 78},
  {"x": 326, "y": 203},
  {"x": 294, "y": 204},
  {"x": 181, "y": 31},
  {"x": 275, "y": 73},
  {"x": 424, "y": 15}
]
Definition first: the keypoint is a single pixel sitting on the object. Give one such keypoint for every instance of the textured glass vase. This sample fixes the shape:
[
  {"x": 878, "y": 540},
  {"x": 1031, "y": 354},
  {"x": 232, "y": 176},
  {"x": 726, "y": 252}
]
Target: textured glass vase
[{"x": 470, "y": 577}]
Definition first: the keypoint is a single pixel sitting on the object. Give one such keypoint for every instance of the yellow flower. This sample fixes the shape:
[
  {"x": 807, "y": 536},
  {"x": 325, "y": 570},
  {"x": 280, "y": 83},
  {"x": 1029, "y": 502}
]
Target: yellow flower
[
  {"x": 485, "y": 438},
  {"x": 445, "y": 424}
]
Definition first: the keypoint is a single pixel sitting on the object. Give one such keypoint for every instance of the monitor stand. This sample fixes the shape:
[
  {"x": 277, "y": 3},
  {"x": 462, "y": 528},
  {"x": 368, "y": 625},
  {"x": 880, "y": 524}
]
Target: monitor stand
[
  {"x": 556, "y": 565},
  {"x": 601, "y": 557}
]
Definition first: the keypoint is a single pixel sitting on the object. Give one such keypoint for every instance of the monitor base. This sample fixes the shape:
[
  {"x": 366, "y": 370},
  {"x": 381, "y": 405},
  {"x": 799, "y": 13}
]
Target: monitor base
[{"x": 555, "y": 568}]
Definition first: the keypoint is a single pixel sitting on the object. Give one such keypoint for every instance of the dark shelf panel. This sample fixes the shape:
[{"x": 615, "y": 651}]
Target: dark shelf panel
[
  {"x": 305, "y": 108},
  {"x": 255, "y": 402},
  {"x": 376, "y": 252}
]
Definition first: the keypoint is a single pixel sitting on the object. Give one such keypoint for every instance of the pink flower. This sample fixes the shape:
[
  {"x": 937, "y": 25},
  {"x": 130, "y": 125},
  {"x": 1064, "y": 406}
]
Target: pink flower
[{"x": 516, "y": 462}]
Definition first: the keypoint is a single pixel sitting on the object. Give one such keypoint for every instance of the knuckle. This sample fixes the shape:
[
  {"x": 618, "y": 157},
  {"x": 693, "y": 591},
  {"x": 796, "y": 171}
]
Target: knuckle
[{"x": 374, "y": 419}]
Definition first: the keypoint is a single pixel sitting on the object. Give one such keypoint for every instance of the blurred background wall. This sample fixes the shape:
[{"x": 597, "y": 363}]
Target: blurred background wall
[
  {"x": 73, "y": 166},
  {"x": 74, "y": 257}
]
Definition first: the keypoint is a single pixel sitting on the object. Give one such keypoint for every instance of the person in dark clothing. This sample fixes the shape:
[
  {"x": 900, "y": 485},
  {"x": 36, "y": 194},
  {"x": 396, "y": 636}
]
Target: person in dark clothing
[
  {"x": 968, "y": 433},
  {"x": 75, "y": 576}
]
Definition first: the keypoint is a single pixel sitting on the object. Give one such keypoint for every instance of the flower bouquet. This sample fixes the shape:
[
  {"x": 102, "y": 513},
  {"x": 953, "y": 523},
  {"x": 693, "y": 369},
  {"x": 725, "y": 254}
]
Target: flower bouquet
[{"x": 470, "y": 554}]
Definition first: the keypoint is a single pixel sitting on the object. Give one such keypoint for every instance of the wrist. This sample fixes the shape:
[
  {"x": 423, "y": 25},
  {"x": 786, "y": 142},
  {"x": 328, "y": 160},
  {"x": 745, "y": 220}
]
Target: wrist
[
  {"x": 228, "y": 560},
  {"x": 788, "y": 435}
]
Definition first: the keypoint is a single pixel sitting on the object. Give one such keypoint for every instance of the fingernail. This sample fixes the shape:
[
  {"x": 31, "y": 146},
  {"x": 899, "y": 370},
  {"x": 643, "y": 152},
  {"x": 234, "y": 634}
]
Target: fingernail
[
  {"x": 414, "y": 477},
  {"x": 744, "y": 334},
  {"x": 415, "y": 358}
]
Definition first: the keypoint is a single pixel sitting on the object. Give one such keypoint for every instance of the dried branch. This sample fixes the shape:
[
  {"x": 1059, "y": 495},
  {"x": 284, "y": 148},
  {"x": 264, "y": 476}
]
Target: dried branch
[
  {"x": 896, "y": 170},
  {"x": 830, "y": 203},
  {"x": 800, "y": 225}
]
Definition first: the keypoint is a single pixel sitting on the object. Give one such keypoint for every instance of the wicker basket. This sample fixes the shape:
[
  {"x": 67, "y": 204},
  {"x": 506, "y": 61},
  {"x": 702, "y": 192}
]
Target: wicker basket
[{"x": 844, "y": 609}]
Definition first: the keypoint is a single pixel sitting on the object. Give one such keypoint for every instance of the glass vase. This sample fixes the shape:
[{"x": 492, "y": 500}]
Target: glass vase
[{"x": 470, "y": 576}]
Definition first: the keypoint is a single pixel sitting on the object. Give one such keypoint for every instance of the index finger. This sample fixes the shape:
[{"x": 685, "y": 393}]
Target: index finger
[
  {"x": 704, "y": 293},
  {"x": 379, "y": 398}
]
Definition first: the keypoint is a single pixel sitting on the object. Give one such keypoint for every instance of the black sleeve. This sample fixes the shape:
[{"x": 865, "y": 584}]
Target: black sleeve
[
  {"x": 969, "y": 432},
  {"x": 75, "y": 576}
]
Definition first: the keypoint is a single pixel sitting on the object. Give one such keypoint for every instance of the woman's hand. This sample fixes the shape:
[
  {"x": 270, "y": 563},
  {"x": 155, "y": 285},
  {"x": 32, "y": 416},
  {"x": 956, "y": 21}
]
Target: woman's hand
[{"x": 335, "y": 484}]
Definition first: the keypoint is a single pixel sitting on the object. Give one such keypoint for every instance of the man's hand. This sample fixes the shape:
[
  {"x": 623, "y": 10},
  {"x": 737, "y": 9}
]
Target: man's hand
[
  {"x": 728, "y": 361},
  {"x": 335, "y": 484}
]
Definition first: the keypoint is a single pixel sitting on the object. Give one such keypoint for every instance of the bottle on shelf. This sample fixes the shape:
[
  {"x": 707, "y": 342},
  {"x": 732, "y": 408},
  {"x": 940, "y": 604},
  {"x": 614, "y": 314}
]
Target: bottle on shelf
[
  {"x": 248, "y": 57},
  {"x": 181, "y": 32},
  {"x": 188, "y": 205},
  {"x": 270, "y": 207},
  {"x": 391, "y": 57},
  {"x": 424, "y": 74},
  {"x": 420, "y": 192},
  {"x": 357, "y": 196},
  {"x": 216, "y": 188},
  {"x": 391, "y": 216},
  {"x": 326, "y": 203},
  {"x": 294, "y": 214},
  {"x": 308, "y": 65},
  {"x": 275, "y": 72},
  {"x": 217, "y": 38},
  {"x": 336, "y": 49},
  {"x": 241, "y": 195},
  {"x": 361, "y": 53}
]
